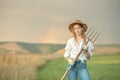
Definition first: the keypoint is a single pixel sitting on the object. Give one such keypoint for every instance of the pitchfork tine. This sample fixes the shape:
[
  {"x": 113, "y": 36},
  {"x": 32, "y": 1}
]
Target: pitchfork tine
[
  {"x": 96, "y": 37},
  {"x": 91, "y": 33},
  {"x": 93, "y": 36}
]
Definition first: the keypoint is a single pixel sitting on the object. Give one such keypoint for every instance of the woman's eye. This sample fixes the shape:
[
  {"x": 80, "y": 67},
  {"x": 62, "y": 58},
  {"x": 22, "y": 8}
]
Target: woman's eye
[{"x": 75, "y": 28}]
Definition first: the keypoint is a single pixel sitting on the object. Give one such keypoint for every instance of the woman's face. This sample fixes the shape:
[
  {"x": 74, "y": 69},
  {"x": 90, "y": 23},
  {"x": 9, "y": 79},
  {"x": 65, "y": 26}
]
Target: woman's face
[{"x": 77, "y": 29}]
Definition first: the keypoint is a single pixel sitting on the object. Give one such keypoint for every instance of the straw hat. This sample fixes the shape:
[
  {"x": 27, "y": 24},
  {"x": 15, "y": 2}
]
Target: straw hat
[{"x": 83, "y": 25}]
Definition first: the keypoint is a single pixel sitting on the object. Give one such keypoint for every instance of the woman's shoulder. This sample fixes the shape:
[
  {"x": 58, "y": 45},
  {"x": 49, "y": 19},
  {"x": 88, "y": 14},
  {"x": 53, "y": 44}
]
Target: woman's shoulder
[{"x": 71, "y": 39}]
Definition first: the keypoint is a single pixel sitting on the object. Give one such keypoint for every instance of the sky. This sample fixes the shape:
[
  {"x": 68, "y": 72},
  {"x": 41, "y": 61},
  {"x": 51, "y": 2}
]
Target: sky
[{"x": 47, "y": 21}]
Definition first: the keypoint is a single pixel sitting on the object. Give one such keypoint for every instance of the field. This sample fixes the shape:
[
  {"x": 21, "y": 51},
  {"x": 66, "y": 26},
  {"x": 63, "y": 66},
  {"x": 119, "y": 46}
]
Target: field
[
  {"x": 101, "y": 67},
  {"x": 18, "y": 63},
  {"x": 22, "y": 66},
  {"x": 19, "y": 67},
  {"x": 49, "y": 67}
]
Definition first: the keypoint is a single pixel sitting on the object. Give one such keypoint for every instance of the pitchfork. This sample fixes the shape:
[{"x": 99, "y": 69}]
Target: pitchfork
[{"x": 91, "y": 36}]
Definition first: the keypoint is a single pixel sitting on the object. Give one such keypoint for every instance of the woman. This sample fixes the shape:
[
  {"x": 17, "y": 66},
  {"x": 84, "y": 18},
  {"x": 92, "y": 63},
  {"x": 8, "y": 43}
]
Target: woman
[{"x": 73, "y": 47}]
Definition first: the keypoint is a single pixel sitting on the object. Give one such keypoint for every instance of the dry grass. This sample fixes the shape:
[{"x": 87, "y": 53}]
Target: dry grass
[
  {"x": 107, "y": 50},
  {"x": 22, "y": 66},
  {"x": 19, "y": 66}
]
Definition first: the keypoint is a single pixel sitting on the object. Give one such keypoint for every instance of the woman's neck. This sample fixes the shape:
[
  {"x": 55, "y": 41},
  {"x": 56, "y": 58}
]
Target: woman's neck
[{"x": 79, "y": 39}]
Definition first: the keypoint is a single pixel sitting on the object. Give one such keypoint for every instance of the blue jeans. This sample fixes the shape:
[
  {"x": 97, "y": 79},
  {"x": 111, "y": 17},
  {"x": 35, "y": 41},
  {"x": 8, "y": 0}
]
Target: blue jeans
[{"x": 78, "y": 70}]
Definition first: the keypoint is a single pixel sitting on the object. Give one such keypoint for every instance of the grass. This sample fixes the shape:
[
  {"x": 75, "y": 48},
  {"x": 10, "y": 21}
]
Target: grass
[
  {"x": 101, "y": 67},
  {"x": 105, "y": 67},
  {"x": 35, "y": 67}
]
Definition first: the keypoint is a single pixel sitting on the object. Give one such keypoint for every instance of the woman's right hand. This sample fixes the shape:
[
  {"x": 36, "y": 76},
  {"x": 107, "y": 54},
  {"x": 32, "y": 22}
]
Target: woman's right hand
[{"x": 71, "y": 62}]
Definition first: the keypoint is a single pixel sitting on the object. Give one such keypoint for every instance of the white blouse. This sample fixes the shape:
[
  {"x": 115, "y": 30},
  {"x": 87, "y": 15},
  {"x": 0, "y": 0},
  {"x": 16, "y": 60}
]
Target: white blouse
[{"x": 72, "y": 49}]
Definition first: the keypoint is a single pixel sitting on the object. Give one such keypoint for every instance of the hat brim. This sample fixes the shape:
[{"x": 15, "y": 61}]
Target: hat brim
[{"x": 83, "y": 25}]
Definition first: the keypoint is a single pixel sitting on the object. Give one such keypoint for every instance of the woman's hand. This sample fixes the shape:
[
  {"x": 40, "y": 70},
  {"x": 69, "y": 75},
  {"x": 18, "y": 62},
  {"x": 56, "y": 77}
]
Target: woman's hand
[
  {"x": 87, "y": 55},
  {"x": 71, "y": 62},
  {"x": 85, "y": 47}
]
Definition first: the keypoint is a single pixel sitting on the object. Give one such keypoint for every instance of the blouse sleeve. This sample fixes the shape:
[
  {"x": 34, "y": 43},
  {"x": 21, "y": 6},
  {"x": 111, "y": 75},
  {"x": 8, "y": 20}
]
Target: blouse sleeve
[
  {"x": 90, "y": 48},
  {"x": 67, "y": 49}
]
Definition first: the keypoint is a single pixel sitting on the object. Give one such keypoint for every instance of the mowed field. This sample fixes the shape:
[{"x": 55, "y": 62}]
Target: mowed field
[
  {"x": 101, "y": 67},
  {"x": 105, "y": 65}
]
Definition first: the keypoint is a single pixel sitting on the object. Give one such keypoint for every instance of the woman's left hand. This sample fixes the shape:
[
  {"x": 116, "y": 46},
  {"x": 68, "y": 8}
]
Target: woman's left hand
[{"x": 85, "y": 47}]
